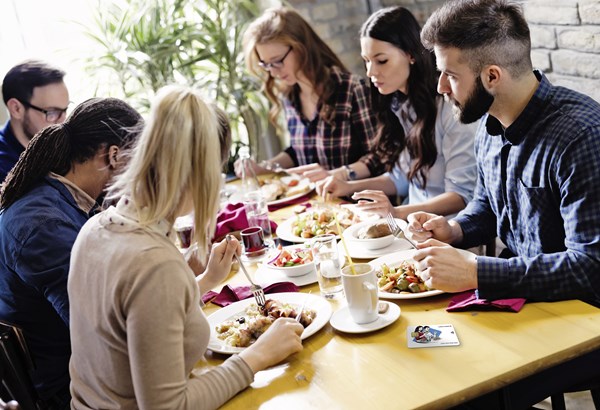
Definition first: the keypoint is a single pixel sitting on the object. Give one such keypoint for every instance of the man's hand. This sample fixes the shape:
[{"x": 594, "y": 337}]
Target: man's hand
[
  {"x": 423, "y": 226},
  {"x": 446, "y": 268}
]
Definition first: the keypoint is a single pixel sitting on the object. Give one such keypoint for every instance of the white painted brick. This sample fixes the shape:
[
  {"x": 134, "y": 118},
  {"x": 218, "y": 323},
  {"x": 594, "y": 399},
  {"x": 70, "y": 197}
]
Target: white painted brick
[
  {"x": 542, "y": 36},
  {"x": 575, "y": 63},
  {"x": 563, "y": 12},
  {"x": 325, "y": 12},
  {"x": 579, "y": 38},
  {"x": 541, "y": 60},
  {"x": 585, "y": 86},
  {"x": 590, "y": 12}
]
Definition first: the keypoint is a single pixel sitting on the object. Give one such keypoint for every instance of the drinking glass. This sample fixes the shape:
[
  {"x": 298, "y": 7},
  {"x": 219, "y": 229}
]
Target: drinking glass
[
  {"x": 327, "y": 261},
  {"x": 257, "y": 213}
]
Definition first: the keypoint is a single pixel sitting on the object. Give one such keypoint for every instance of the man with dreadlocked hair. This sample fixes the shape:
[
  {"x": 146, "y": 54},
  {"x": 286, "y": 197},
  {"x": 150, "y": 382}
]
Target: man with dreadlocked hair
[{"x": 48, "y": 196}]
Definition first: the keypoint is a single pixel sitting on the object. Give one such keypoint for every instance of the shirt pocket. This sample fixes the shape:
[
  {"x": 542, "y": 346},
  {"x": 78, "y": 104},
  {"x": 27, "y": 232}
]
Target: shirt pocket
[{"x": 538, "y": 224}]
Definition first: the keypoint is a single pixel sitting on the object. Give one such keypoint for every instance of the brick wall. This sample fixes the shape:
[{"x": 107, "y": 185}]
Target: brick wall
[{"x": 565, "y": 34}]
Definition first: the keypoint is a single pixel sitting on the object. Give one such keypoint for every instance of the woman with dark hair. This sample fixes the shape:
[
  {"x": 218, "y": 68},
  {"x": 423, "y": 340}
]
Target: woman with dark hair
[
  {"x": 328, "y": 114},
  {"x": 48, "y": 195},
  {"x": 428, "y": 153}
]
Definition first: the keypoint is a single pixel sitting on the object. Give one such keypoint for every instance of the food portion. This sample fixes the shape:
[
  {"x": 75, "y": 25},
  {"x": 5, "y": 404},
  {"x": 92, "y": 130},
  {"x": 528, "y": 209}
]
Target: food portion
[
  {"x": 243, "y": 329},
  {"x": 322, "y": 221},
  {"x": 279, "y": 188},
  {"x": 376, "y": 230},
  {"x": 291, "y": 257},
  {"x": 401, "y": 279}
]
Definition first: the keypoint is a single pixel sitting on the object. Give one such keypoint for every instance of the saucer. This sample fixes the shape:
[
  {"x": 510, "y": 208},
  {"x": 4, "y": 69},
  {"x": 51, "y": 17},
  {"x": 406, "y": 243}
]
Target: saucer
[{"x": 342, "y": 321}]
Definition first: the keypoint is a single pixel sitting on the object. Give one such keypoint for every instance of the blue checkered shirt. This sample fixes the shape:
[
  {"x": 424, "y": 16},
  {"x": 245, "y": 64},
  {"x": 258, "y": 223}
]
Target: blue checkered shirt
[
  {"x": 539, "y": 191},
  {"x": 349, "y": 137}
]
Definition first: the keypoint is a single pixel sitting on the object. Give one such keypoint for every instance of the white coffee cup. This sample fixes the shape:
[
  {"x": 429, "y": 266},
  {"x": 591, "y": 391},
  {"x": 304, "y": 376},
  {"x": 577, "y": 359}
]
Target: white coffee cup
[{"x": 360, "y": 289}]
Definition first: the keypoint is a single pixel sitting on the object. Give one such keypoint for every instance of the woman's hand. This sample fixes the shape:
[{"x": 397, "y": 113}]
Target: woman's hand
[
  {"x": 219, "y": 263},
  {"x": 374, "y": 201},
  {"x": 250, "y": 163},
  {"x": 276, "y": 344},
  {"x": 333, "y": 187},
  {"x": 314, "y": 172}
]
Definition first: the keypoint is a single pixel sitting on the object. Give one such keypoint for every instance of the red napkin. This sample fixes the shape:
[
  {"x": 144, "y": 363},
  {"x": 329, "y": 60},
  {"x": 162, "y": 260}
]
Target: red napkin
[
  {"x": 469, "y": 301},
  {"x": 233, "y": 218},
  {"x": 302, "y": 200},
  {"x": 229, "y": 295}
]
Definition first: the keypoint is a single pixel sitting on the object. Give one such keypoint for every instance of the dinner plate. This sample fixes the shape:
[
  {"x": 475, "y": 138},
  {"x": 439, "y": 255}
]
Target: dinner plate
[
  {"x": 317, "y": 303},
  {"x": 304, "y": 187},
  {"x": 342, "y": 321},
  {"x": 393, "y": 260},
  {"x": 266, "y": 275},
  {"x": 285, "y": 232}
]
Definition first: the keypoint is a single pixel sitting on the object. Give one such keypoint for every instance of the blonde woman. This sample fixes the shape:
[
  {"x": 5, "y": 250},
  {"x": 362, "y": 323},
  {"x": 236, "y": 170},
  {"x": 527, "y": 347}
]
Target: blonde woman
[
  {"x": 136, "y": 323},
  {"x": 327, "y": 108}
]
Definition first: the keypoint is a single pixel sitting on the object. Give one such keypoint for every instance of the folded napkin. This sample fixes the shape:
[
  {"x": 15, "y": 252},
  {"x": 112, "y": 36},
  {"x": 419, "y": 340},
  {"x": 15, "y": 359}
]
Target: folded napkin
[
  {"x": 469, "y": 300},
  {"x": 233, "y": 218},
  {"x": 229, "y": 295},
  {"x": 302, "y": 200}
]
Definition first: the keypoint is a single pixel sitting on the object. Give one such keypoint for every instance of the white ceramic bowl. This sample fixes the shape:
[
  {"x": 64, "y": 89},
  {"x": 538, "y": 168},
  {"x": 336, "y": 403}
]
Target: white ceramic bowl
[
  {"x": 350, "y": 234},
  {"x": 290, "y": 271}
]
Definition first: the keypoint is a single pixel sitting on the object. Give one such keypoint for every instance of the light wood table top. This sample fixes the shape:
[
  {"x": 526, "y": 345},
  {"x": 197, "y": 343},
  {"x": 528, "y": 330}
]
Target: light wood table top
[{"x": 378, "y": 371}]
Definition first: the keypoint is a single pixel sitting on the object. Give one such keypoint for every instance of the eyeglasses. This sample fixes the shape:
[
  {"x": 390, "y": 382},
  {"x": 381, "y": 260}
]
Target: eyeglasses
[
  {"x": 52, "y": 115},
  {"x": 274, "y": 64}
]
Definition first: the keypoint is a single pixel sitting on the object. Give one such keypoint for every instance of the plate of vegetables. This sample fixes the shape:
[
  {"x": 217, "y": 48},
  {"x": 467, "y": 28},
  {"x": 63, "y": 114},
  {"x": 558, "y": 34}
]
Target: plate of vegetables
[
  {"x": 294, "y": 260},
  {"x": 397, "y": 277}
]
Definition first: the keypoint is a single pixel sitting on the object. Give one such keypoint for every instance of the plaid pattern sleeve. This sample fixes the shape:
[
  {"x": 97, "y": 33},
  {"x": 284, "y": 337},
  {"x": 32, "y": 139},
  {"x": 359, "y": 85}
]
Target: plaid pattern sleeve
[
  {"x": 343, "y": 140},
  {"x": 540, "y": 178}
]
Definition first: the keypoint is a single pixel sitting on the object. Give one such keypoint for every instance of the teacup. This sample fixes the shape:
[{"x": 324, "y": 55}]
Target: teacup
[{"x": 360, "y": 288}]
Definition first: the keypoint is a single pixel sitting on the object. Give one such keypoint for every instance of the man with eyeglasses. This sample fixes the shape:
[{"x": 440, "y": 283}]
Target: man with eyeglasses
[{"x": 36, "y": 96}]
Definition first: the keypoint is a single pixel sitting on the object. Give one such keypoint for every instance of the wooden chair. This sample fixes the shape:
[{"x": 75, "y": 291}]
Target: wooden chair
[{"x": 16, "y": 366}]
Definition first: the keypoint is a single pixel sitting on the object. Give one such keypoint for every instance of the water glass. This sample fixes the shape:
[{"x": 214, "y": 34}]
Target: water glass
[
  {"x": 327, "y": 261},
  {"x": 257, "y": 213}
]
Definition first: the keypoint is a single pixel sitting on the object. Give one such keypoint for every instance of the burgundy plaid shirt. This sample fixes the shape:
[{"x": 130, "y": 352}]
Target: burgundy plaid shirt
[{"x": 350, "y": 137}]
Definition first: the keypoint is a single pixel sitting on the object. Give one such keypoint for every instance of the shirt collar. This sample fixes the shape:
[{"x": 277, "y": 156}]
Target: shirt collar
[
  {"x": 516, "y": 132},
  {"x": 85, "y": 202},
  {"x": 127, "y": 215}
]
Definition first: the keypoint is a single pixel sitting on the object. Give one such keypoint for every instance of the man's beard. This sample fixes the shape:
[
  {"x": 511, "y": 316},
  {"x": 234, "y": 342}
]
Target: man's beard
[
  {"x": 476, "y": 105},
  {"x": 28, "y": 128}
]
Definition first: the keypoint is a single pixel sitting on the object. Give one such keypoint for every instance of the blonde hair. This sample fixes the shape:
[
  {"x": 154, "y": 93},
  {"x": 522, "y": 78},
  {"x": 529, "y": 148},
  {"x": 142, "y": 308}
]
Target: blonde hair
[{"x": 174, "y": 156}]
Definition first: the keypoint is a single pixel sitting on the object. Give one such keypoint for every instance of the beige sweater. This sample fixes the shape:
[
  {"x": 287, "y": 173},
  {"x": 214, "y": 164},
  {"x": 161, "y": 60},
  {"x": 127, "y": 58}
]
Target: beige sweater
[{"x": 136, "y": 324}]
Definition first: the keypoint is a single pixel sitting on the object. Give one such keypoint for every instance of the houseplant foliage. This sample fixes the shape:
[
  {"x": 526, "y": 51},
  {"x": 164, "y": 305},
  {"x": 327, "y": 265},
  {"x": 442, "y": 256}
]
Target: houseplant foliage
[{"x": 146, "y": 44}]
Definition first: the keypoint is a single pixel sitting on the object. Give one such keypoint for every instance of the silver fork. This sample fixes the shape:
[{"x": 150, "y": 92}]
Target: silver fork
[
  {"x": 396, "y": 230},
  {"x": 257, "y": 290}
]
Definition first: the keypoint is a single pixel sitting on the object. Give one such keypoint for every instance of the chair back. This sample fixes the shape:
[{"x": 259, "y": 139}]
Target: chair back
[{"x": 16, "y": 366}]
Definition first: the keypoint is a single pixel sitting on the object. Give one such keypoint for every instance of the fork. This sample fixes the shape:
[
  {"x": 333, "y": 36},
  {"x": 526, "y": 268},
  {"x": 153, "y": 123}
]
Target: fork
[
  {"x": 257, "y": 290},
  {"x": 396, "y": 230}
]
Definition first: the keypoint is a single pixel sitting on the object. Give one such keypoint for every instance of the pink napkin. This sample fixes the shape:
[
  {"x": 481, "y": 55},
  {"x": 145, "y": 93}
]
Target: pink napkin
[
  {"x": 233, "y": 218},
  {"x": 469, "y": 301},
  {"x": 229, "y": 295},
  {"x": 302, "y": 200}
]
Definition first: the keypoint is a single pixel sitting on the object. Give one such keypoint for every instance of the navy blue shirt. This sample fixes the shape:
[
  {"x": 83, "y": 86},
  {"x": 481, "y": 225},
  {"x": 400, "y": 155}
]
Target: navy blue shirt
[
  {"x": 10, "y": 150},
  {"x": 37, "y": 233},
  {"x": 539, "y": 191}
]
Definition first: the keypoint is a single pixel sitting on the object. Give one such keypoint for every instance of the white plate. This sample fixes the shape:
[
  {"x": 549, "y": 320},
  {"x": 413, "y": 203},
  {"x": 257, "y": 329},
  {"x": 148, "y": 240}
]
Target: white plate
[
  {"x": 266, "y": 275},
  {"x": 305, "y": 185},
  {"x": 316, "y": 303},
  {"x": 284, "y": 229},
  {"x": 342, "y": 321},
  {"x": 392, "y": 261}
]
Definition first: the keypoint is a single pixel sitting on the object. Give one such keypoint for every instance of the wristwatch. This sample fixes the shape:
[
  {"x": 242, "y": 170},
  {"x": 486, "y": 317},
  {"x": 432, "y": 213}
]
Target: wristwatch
[{"x": 351, "y": 173}]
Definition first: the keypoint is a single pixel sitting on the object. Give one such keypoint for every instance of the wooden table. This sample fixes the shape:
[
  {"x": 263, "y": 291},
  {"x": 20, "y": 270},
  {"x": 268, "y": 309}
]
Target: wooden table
[{"x": 378, "y": 371}]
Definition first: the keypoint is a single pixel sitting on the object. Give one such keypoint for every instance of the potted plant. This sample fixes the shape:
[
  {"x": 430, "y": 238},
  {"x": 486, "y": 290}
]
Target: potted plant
[{"x": 145, "y": 45}]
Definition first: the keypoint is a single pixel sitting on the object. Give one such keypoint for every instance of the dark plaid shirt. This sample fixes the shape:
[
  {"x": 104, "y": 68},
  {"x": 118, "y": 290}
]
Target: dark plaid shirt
[
  {"x": 539, "y": 191},
  {"x": 347, "y": 139}
]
